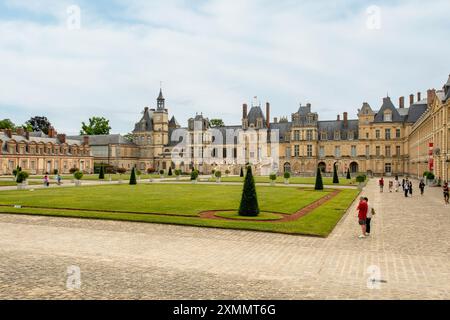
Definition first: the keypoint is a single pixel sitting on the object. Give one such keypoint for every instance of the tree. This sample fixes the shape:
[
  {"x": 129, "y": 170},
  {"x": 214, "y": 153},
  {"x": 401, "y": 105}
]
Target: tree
[
  {"x": 7, "y": 124},
  {"x": 216, "y": 123},
  {"x": 39, "y": 124},
  {"x": 133, "y": 177},
  {"x": 101, "y": 175},
  {"x": 335, "y": 175},
  {"x": 242, "y": 172},
  {"x": 129, "y": 137},
  {"x": 249, "y": 201},
  {"x": 97, "y": 125},
  {"x": 170, "y": 171},
  {"x": 319, "y": 182},
  {"x": 348, "y": 174}
]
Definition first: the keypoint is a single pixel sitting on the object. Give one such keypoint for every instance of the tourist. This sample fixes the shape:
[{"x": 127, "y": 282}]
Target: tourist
[
  {"x": 446, "y": 194},
  {"x": 46, "y": 181},
  {"x": 421, "y": 186},
  {"x": 362, "y": 216},
  {"x": 370, "y": 213},
  {"x": 396, "y": 184},
  {"x": 391, "y": 184},
  {"x": 58, "y": 179},
  {"x": 405, "y": 187},
  {"x": 410, "y": 188},
  {"x": 381, "y": 184},
  {"x": 403, "y": 184}
]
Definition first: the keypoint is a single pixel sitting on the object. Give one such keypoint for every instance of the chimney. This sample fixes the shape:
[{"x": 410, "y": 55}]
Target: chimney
[
  {"x": 345, "y": 119},
  {"x": 275, "y": 120},
  {"x": 8, "y": 133},
  {"x": 61, "y": 138},
  {"x": 401, "y": 102},
  {"x": 20, "y": 131},
  {"x": 27, "y": 134},
  {"x": 418, "y": 96},
  {"x": 51, "y": 132},
  {"x": 430, "y": 96},
  {"x": 244, "y": 111},
  {"x": 86, "y": 140},
  {"x": 338, "y": 117},
  {"x": 411, "y": 99},
  {"x": 267, "y": 115}
]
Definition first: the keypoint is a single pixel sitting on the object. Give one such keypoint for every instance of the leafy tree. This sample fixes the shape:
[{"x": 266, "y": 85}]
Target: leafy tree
[
  {"x": 129, "y": 137},
  {"x": 22, "y": 176},
  {"x": 249, "y": 201},
  {"x": 101, "y": 175},
  {"x": 319, "y": 182},
  {"x": 170, "y": 171},
  {"x": 73, "y": 170},
  {"x": 242, "y": 172},
  {"x": 348, "y": 174},
  {"x": 39, "y": 124},
  {"x": 97, "y": 125},
  {"x": 216, "y": 123},
  {"x": 335, "y": 175},
  {"x": 121, "y": 170},
  {"x": 16, "y": 171},
  {"x": 7, "y": 124},
  {"x": 133, "y": 177}
]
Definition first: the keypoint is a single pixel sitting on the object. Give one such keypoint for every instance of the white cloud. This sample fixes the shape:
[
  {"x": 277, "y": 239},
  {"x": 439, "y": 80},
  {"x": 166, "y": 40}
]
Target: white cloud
[{"x": 215, "y": 56}]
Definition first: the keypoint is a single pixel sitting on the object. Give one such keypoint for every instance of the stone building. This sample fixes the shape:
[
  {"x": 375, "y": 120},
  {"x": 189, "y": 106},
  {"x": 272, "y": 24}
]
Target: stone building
[
  {"x": 38, "y": 153},
  {"x": 386, "y": 140}
]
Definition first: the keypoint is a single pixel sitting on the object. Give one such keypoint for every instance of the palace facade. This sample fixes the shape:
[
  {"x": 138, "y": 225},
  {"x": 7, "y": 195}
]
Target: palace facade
[
  {"x": 387, "y": 139},
  {"x": 38, "y": 153}
]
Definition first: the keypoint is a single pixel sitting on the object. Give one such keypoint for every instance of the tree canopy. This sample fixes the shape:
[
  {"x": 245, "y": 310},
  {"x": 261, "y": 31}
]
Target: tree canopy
[
  {"x": 216, "y": 123},
  {"x": 97, "y": 125},
  {"x": 39, "y": 124},
  {"x": 7, "y": 124}
]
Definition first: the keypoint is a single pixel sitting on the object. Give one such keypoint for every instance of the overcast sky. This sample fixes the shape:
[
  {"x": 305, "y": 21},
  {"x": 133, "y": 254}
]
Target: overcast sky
[{"x": 214, "y": 55}]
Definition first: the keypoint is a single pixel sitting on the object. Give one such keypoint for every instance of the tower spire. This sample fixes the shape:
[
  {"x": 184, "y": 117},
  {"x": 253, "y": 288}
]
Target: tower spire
[{"x": 160, "y": 101}]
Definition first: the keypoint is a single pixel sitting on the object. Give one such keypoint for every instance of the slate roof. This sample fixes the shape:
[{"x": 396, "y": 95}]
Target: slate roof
[
  {"x": 416, "y": 110},
  {"x": 104, "y": 139},
  {"x": 38, "y": 138},
  {"x": 388, "y": 105},
  {"x": 146, "y": 122},
  {"x": 173, "y": 121},
  {"x": 332, "y": 126},
  {"x": 283, "y": 128},
  {"x": 447, "y": 90},
  {"x": 255, "y": 113}
]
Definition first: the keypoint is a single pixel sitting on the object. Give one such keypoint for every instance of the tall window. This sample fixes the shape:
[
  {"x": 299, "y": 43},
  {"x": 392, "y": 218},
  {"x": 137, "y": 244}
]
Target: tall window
[
  {"x": 309, "y": 150},
  {"x": 397, "y": 133},
  {"x": 288, "y": 152},
  {"x": 387, "y": 134},
  {"x": 309, "y": 135},
  {"x": 296, "y": 150},
  {"x": 321, "y": 151},
  {"x": 387, "y": 151},
  {"x": 388, "y": 116},
  {"x": 397, "y": 151},
  {"x": 337, "y": 135},
  {"x": 387, "y": 168},
  {"x": 377, "y": 151},
  {"x": 337, "y": 151},
  {"x": 296, "y": 135},
  {"x": 367, "y": 151},
  {"x": 377, "y": 134},
  {"x": 323, "y": 136},
  {"x": 353, "y": 151},
  {"x": 350, "y": 135}
]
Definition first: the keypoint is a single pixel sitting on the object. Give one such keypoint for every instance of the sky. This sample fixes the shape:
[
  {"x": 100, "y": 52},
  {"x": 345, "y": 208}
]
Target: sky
[{"x": 71, "y": 60}]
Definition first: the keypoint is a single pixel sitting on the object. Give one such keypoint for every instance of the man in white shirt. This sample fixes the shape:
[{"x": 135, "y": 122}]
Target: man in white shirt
[{"x": 370, "y": 213}]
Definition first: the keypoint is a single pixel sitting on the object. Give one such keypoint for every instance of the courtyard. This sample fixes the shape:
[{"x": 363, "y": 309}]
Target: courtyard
[{"x": 408, "y": 250}]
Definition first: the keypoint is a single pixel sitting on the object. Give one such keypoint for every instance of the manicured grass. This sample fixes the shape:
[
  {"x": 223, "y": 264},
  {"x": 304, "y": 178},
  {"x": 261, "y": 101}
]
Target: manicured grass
[
  {"x": 6, "y": 183},
  {"x": 292, "y": 180},
  {"x": 114, "y": 177},
  {"x": 185, "y": 202},
  {"x": 262, "y": 216}
]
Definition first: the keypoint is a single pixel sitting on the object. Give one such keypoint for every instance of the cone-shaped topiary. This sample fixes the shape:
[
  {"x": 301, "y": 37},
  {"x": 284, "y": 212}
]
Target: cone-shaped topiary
[
  {"x": 170, "y": 171},
  {"x": 348, "y": 174},
  {"x": 242, "y": 172},
  {"x": 335, "y": 175},
  {"x": 133, "y": 177},
  {"x": 319, "y": 182},
  {"x": 249, "y": 201},
  {"x": 101, "y": 175}
]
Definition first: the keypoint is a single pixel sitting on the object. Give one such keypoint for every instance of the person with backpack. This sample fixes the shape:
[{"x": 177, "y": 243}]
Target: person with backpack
[
  {"x": 362, "y": 216},
  {"x": 381, "y": 184},
  {"x": 405, "y": 187},
  {"x": 446, "y": 192}
]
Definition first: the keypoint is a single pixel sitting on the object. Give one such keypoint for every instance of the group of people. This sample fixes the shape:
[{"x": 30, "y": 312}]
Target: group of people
[
  {"x": 365, "y": 214},
  {"x": 58, "y": 179}
]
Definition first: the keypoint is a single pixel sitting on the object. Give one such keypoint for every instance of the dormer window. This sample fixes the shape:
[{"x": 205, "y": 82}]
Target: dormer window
[
  {"x": 337, "y": 135},
  {"x": 388, "y": 116}
]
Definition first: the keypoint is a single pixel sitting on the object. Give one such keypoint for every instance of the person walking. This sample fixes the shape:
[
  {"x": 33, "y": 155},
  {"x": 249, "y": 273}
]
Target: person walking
[
  {"x": 446, "y": 192},
  {"x": 403, "y": 184},
  {"x": 362, "y": 216},
  {"x": 46, "y": 181},
  {"x": 391, "y": 184},
  {"x": 410, "y": 188},
  {"x": 421, "y": 186},
  {"x": 405, "y": 187},
  {"x": 381, "y": 184},
  {"x": 370, "y": 213},
  {"x": 396, "y": 185},
  {"x": 58, "y": 179}
]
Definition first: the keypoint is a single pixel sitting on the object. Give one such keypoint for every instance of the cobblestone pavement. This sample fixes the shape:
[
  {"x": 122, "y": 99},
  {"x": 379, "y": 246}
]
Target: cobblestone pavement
[{"x": 408, "y": 251}]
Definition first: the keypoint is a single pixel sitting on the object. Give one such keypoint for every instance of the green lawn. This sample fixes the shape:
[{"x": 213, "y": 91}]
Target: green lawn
[
  {"x": 298, "y": 180},
  {"x": 114, "y": 177},
  {"x": 181, "y": 204},
  {"x": 7, "y": 183}
]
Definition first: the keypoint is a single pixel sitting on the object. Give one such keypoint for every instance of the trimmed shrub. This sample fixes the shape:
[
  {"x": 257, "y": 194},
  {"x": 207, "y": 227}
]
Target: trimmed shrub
[
  {"x": 177, "y": 172},
  {"x": 121, "y": 170},
  {"x": 430, "y": 176},
  {"x": 348, "y": 174},
  {"x": 101, "y": 175},
  {"x": 249, "y": 201},
  {"x": 161, "y": 172},
  {"x": 73, "y": 170},
  {"x": 319, "y": 181},
  {"x": 22, "y": 176},
  {"x": 150, "y": 170},
  {"x": 227, "y": 172},
  {"x": 78, "y": 175},
  {"x": 242, "y": 173},
  {"x": 273, "y": 176},
  {"x": 194, "y": 174},
  {"x": 133, "y": 177},
  {"x": 55, "y": 171},
  {"x": 170, "y": 171},
  {"x": 335, "y": 175},
  {"x": 361, "y": 178},
  {"x": 287, "y": 175},
  {"x": 218, "y": 174}
]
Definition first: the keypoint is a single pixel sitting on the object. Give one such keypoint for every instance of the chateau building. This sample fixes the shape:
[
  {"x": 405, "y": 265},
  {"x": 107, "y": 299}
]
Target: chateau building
[
  {"x": 38, "y": 153},
  {"x": 386, "y": 140}
]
